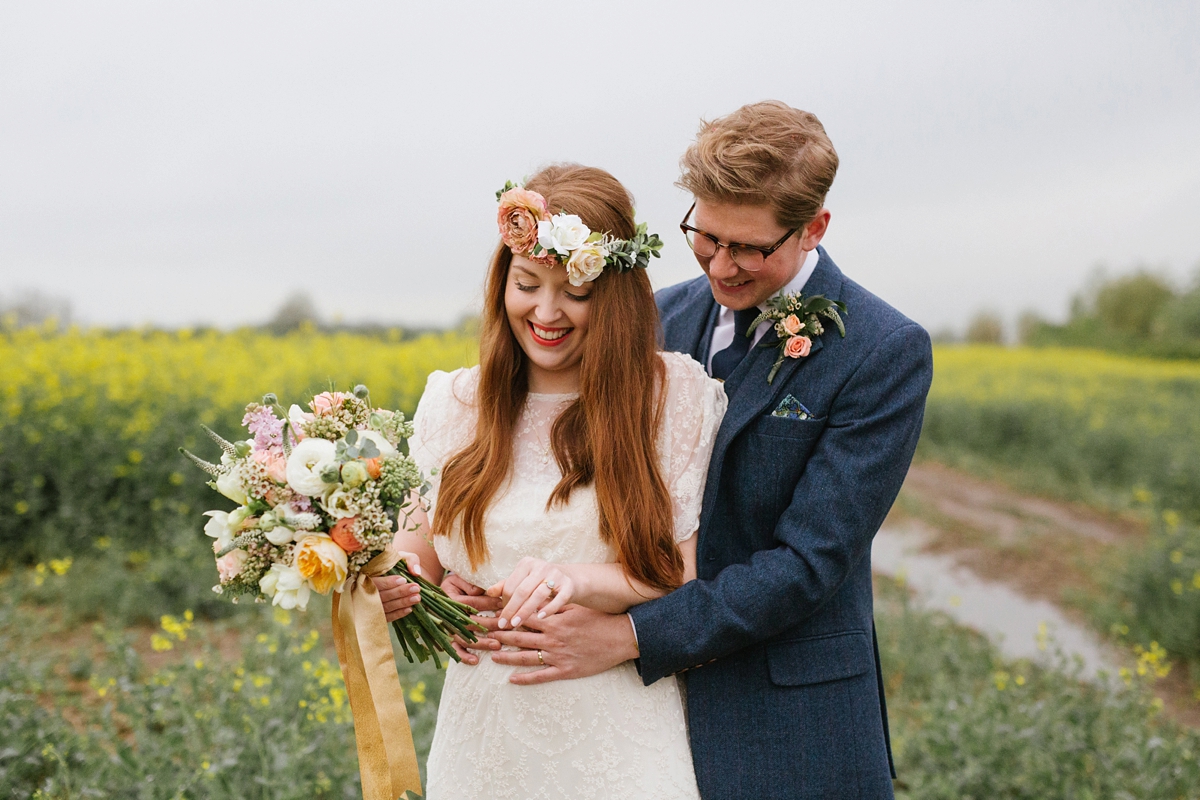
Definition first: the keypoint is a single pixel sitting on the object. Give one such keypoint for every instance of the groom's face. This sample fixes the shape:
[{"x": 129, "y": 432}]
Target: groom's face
[{"x": 733, "y": 286}]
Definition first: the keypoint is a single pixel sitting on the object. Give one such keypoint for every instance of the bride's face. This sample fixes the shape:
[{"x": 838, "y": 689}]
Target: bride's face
[{"x": 549, "y": 318}]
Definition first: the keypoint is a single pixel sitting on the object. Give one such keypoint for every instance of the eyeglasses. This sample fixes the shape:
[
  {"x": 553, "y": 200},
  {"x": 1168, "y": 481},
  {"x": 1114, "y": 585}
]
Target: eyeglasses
[{"x": 749, "y": 257}]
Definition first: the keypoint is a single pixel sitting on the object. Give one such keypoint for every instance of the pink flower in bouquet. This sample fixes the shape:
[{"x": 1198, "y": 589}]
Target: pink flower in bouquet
[
  {"x": 520, "y": 211},
  {"x": 342, "y": 534},
  {"x": 797, "y": 347},
  {"x": 792, "y": 324},
  {"x": 230, "y": 565},
  {"x": 275, "y": 462},
  {"x": 327, "y": 402},
  {"x": 266, "y": 427}
]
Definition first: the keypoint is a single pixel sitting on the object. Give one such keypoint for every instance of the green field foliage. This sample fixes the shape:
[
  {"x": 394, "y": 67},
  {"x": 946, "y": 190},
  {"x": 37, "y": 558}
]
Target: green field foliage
[
  {"x": 254, "y": 707},
  {"x": 91, "y": 423},
  {"x": 1087, "y": 425}
]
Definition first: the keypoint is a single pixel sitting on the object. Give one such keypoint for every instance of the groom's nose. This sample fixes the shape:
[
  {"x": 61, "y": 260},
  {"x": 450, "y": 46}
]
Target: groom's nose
[{"x": 721, "y": 265}]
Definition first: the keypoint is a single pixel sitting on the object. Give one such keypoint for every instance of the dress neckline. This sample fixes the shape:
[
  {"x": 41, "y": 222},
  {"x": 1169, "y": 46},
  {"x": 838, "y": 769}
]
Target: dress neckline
[{"x": 551, "y": 395}]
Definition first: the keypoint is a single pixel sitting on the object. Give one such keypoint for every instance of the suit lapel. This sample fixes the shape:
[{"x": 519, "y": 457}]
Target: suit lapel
[
  {"x": 691, "y": 331},
  {"x": 747, "y": 387}
]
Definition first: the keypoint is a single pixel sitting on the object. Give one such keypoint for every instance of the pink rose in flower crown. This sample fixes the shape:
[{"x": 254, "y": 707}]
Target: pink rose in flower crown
[
  {"x": 798, "y": 347},
  {"x": 792, "y": 324},
  {"x": 520, "y": 211}
]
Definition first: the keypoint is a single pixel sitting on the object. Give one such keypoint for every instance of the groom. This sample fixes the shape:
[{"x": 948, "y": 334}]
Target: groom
[{"x": 776, "y": 636}]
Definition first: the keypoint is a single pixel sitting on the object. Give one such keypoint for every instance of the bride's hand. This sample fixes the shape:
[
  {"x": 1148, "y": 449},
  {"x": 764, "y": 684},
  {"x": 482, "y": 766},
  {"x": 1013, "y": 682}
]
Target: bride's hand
[
  {"x": 534, "y": 587},
  {"x": 398, "y": 595}
]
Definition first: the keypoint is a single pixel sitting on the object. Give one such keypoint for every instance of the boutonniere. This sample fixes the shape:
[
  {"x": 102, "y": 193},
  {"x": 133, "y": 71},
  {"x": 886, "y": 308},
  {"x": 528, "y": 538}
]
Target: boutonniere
[{"x": 797, "y": 320}]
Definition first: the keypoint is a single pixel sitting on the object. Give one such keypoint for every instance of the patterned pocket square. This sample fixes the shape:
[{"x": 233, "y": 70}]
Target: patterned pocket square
[{"x": 791, "y": 408}]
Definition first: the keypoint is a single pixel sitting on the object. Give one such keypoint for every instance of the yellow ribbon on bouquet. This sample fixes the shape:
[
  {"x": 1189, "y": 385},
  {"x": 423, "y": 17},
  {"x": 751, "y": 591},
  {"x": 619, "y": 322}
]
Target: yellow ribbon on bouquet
[{"x": 387, "y": 759}]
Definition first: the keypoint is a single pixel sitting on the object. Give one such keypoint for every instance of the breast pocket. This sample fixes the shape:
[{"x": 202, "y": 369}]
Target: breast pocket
[{"x": 775, "y": 452}]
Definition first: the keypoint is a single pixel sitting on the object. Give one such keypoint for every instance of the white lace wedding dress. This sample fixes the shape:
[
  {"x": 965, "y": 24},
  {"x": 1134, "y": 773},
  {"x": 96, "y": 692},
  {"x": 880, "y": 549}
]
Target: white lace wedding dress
[{"x": 606, "y": 736}]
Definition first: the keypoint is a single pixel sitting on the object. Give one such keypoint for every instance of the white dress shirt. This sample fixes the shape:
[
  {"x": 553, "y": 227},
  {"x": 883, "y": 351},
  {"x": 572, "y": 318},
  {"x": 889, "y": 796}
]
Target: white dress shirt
[{"x": 723, "y": 333}]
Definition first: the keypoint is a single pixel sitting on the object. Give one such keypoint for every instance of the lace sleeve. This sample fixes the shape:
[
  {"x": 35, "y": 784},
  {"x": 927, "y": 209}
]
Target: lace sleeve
[
  {"x": 444, "y": 423},
  {"x": 692, "y": 414}
]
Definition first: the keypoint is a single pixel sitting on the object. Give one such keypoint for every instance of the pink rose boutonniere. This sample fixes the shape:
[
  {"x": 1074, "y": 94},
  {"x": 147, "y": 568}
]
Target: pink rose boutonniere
[{"x": 797, "y": 320}]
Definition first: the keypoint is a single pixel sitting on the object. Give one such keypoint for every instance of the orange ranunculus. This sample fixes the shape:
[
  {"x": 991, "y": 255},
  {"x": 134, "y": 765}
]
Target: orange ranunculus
[
  {"x": 374, "y": 466},
  {"x": 342, "y": 534},
  {"x": 518, "y": 216}
]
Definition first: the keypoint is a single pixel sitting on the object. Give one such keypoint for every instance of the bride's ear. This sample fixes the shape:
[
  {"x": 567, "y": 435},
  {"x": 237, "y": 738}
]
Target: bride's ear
[{"x": 496, "y": 590}]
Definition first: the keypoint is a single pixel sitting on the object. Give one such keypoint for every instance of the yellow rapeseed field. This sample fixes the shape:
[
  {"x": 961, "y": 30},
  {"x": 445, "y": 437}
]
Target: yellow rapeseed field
[
  {"x": 91, "y": 423},
  {"x": 1085, "y": 420}
]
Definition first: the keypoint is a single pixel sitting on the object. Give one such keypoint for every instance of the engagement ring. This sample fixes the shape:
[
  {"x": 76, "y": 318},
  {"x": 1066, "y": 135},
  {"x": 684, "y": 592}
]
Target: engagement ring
[{"x": 541, "y": 660}]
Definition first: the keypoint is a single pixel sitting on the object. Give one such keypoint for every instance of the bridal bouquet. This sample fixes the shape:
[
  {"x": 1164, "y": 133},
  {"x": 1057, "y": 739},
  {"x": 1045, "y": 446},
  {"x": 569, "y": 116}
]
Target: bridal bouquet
[{"x": 320, "y": 494}]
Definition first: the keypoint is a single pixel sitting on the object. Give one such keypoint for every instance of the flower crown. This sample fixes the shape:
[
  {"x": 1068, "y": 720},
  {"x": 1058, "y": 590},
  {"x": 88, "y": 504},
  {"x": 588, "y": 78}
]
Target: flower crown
[{"x": 528, "y": 229}]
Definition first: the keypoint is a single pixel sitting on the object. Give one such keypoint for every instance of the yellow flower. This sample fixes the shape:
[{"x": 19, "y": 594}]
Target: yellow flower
[
  {"x": 321, "y": 562},
  {"x": 60, "y": 566},
  {"x": 160, "y": 643},
  {"x": 417, "y": 693}
]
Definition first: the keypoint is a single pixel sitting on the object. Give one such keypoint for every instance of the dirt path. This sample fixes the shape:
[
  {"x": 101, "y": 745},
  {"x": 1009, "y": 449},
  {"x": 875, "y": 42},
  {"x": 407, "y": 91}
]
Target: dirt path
[{"x": 1004, "y": 563}]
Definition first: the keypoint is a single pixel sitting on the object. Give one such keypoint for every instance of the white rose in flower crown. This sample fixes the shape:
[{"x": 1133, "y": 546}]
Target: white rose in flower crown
[
  {"x": 306, "y": 463},
  {"x": 230, "y": 484},
  {"x": 562, "y": 233},
  {"x": 586, "y": 264},
  {"x": 220, "y": 527},
  {"x": 286, "y": 587}
]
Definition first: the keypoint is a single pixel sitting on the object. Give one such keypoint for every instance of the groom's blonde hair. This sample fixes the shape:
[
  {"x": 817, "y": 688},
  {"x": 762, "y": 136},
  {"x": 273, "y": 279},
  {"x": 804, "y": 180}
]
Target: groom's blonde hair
[{"x": 763, "y": 153}]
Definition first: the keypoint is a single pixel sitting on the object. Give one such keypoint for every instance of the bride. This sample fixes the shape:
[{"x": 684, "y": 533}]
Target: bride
[{"x": 568, "y": 467}]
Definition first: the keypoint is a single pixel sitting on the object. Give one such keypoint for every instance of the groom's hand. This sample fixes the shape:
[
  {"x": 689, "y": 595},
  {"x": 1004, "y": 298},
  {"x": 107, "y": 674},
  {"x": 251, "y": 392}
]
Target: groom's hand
[
  {"x": 574, "y": 643},
  {"x": 456, "y": 588}
]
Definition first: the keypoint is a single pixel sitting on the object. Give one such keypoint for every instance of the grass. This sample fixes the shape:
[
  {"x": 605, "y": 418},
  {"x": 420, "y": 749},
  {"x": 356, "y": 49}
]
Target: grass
[
  {"x": 250, "y": 707},
  {"x": 253, "y": 707}
]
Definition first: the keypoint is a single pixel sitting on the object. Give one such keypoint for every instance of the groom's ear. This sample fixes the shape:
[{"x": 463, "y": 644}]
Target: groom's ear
[{"x": 814, "y": 232}]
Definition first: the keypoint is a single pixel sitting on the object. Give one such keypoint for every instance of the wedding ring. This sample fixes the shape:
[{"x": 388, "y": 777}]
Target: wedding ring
[
  {"x": 541, "y": 660},
  {"x": 549, "y": 585}
]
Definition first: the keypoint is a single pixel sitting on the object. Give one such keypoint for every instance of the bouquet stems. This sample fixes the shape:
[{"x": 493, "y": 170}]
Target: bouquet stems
[{"x": 433, "y": 623}]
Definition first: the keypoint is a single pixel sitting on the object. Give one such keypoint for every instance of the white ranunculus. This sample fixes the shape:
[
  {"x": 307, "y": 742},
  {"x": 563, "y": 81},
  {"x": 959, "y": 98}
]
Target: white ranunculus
[
  {"x": 230, "y": 484},
  {"x": 219, "y": 528},
  {"x": 562, "y": 233},
  {"x": 286, "y": 587},
  {"x": 385, "y": 447},
  {"x": 306, "y": 463},
  {"x": 337, "y": 503},
  {"x": 586, "y": 264},
  {"x": 280, "y": 534}
]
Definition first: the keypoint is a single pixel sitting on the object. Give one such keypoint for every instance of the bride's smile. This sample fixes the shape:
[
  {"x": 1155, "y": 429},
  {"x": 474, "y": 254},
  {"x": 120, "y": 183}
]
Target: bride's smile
[{"x": 549, "y": 319}]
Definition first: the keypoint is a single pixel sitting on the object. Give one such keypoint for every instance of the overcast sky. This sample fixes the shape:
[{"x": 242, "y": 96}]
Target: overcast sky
[{"x": 196, "y": 162}]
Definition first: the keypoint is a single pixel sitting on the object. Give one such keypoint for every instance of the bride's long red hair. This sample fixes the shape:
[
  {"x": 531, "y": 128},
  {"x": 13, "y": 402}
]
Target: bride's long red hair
[{"x": 608, "y": 436}]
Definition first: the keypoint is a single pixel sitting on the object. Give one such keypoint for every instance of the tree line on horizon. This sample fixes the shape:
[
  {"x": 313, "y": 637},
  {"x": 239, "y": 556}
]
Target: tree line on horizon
[{"x": 1140, "y": 312}]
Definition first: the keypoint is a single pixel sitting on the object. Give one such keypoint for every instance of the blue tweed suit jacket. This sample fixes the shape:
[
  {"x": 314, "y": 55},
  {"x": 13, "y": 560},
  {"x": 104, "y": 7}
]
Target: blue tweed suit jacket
[{"x": 776, "y": 637}]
